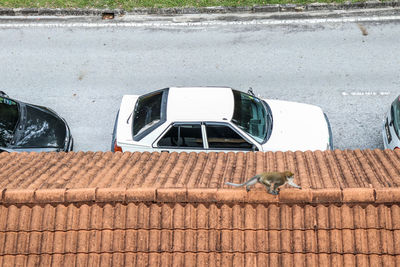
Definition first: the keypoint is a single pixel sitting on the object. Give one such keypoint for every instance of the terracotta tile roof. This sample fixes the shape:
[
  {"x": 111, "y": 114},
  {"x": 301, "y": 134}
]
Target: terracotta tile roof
[
  {"x": 315, "y": 170},
  {"x": 198, "y": 195},
  {"x": 200, "y": 233},
  {"x": 123, "y": 209}
]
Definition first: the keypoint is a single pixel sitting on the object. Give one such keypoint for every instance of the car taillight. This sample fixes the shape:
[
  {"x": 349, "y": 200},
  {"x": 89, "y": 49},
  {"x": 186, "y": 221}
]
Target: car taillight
[{"x": 116, "y": 147}]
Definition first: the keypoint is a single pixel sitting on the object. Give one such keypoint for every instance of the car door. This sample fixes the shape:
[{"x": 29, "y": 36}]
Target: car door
[
  {"x": 223, "y": 137},
  {"x": 181, "y": 137}
]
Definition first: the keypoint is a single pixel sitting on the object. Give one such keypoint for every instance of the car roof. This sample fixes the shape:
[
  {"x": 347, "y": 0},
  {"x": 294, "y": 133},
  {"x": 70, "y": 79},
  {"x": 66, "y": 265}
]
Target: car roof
[{"x": 200, "y": 104}]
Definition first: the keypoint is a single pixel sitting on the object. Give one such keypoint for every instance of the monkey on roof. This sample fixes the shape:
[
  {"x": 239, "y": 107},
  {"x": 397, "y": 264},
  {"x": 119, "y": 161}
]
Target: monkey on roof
[{"x": 271, "y": 181}]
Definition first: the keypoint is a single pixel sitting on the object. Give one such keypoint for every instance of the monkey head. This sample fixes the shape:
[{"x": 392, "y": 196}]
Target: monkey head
[{"x": 288, "y": 174}]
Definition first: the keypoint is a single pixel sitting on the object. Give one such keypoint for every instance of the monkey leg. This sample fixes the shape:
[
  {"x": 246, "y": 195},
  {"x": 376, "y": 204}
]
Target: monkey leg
[
  {"x": 271, "y": 191},
  {"x": 276, "y": 187},
  {"x": 267, "y": 187},
  {"x": 253, "y": 180}
]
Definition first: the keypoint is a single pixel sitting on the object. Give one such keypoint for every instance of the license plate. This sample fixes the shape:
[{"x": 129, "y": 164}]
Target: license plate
[{"x": 389, "y": 136}]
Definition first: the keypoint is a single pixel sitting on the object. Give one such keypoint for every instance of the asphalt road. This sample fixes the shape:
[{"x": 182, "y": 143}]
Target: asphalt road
[{"x": 81, "y": 67}]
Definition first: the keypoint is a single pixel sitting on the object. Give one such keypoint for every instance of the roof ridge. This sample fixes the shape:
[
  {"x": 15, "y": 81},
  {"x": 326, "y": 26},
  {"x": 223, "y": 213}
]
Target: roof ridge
[{"x": 200, "y": 195}]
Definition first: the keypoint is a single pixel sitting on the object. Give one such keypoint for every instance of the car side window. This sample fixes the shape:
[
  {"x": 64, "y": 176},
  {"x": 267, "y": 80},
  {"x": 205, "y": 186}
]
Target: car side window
[
  {"x": 223, "y": 137},
  {"x": 182, "y": 136}
]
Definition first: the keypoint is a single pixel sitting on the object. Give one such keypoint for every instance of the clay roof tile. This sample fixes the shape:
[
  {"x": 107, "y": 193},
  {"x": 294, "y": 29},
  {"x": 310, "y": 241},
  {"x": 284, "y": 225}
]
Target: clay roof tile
[
  {"x": 328, "y": 195},
  {"x": 80, "y": 194},
  {"x": 202, "y": 195},
  {"x": 358, "y": 195},
  {"x": 171, "y": 195},
  {"x": 110, "y": 194},
  {"x": 50, "y": 195},
  {"x": 18, "y": 196},
  {"x": 140, "y": 194}
]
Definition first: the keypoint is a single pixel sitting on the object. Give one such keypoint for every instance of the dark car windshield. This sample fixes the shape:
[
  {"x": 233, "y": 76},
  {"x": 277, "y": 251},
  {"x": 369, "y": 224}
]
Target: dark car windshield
[
  {"x": 8, "y": 120},
  {"x": 149, "y": 113},
  {"x": 396, "y": 116},
  {"x": 250, "y": 115}
]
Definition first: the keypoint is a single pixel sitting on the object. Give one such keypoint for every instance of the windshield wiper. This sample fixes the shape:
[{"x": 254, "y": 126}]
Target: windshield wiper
[
  {"x": 127, "y": 121},
  {"x": 235, "y": 121}
]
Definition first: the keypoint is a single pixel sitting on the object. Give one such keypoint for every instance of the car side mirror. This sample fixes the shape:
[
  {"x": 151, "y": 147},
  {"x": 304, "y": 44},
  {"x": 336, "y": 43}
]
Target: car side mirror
[{"x": 250, "y": 92}]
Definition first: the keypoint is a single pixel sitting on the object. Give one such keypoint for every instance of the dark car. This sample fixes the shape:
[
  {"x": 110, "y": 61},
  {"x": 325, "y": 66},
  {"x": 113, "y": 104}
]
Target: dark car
[{"x": 27, "y": 127}]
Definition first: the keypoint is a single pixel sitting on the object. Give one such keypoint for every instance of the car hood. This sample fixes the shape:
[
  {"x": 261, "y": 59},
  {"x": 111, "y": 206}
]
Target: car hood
[
  {"x": 297, "y": 126},
  {"x": 40, "y": 127}
]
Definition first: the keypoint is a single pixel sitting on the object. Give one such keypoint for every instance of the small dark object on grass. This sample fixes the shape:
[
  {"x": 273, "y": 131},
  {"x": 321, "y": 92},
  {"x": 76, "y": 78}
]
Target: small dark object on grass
[{"x": 107, "y": 15}]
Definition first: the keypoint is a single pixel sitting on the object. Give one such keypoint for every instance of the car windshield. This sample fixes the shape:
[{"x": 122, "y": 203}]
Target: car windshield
[
  {"x": 147, "y": 112},
  {"x": 8, "y": 120},
  {"x": 396, "y": 116},
  {"x": 250, "y": 115}
]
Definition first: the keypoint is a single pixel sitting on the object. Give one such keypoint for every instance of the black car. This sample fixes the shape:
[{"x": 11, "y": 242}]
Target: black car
[{"x": 31, "y": 128}]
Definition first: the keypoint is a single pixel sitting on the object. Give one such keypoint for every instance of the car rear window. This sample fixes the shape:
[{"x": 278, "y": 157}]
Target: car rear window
[{"x": 149, "y": 112}]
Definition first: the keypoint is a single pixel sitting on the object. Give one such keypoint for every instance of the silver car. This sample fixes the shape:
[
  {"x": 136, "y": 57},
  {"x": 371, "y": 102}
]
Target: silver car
[{"x": 391, "y": 126}]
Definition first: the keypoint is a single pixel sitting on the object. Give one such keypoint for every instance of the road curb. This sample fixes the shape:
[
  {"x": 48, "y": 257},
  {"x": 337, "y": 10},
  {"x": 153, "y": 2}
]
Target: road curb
[{"x": 200, "y": 10}]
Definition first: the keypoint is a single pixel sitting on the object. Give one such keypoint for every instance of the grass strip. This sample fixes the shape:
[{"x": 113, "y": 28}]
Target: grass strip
[{"x": 130, "y": 4}]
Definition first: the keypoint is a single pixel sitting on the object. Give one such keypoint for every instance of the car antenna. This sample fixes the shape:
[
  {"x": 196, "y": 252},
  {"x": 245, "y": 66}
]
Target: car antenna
[{"x": 250, "y": 91}]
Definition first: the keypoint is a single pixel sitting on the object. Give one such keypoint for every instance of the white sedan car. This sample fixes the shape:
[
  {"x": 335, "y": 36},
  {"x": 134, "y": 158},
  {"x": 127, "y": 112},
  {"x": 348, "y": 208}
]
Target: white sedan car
[{"x": 217, "y": 119}]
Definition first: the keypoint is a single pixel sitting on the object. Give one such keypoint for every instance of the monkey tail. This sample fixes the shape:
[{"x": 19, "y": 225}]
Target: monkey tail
[
  {"x": 252, "y": 181},
  {"x": 237, "y": 185}
]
